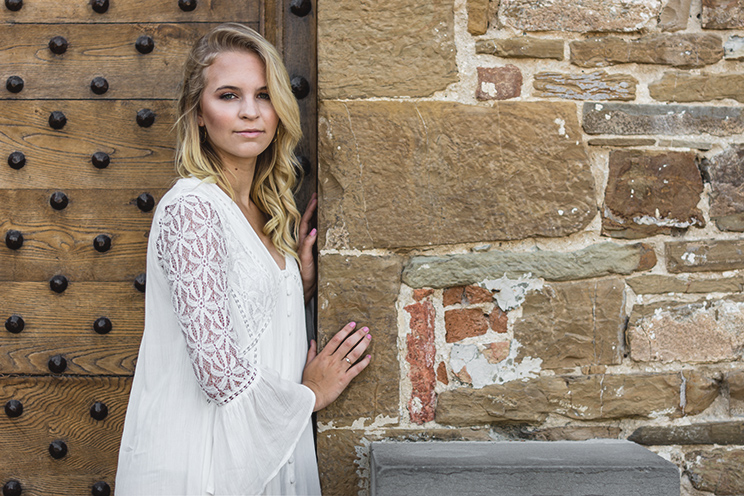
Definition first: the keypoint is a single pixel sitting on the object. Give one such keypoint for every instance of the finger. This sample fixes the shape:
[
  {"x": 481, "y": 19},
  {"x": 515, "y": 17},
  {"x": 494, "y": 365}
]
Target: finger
[
  {"x": 336, "y": 340},
  {"x": 356, "y": 369},
  {"x": 360, "y": 348},
  {"x": 309, "y": 211},
  {"x": 352, "y": 341},
  {"x": 312, "y": 351},
  {"x": 308, "y": 242}
]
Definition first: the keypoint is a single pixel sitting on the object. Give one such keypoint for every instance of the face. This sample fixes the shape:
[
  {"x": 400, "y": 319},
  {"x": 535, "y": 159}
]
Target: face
[{"x": 236, "y": 108}]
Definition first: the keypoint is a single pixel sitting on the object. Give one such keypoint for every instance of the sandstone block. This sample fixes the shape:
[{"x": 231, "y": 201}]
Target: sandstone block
[
  {"x": 499, "y": 83},
  {"x": 571, "y": 433},
  {"x": 651, "y": 193},
  {"x": 346, "y": 292},
  {"x": 586, "y": 16},
  {"x": 661, "y": 284},
  {"x": 464, "y": 323},
  {"x": 735, "y": 383},
  {"x": 477, "y": 17},
  {"x": 723, "y": 14},
  {"x": 686, "y": 87},
  {"x": 593, "y": 86},
  {"x": 674, "y": 15},
  {"x": 622, "y": 142},
  {"x": 522, "y": 47},
  {"x": 404, "y": 161},
  {"x": 385, "y": 48},
  {"x": 420, "y": 355},
  {"x": 717, "y": 470},
  {"x": 631, "y": 119},
  {"x": 704, "y": 433},
  {"x": 679, "y": 50},
  {"x": 733, "y": 49},
  {"x": 573, "y": 324},
  {"x": 706, "y": 331},
  {"x": 468, "y": 268},
  {"x": 682, "y": 143},
  {"x": 726, "y": 174},
  {"x": 705, "y": 255},
  {"x": 611, "y": 396}
]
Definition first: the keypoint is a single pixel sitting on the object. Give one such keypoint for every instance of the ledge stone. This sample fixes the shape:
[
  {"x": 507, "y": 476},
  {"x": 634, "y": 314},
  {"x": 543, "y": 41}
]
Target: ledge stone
[
  {"x": 686, "y": 87},
  {"x": 706, "y": 433},
  {"x": 705, "y": 255},
  {"x": 522, "y": 47},
  {"x": 593, "y": 86}
]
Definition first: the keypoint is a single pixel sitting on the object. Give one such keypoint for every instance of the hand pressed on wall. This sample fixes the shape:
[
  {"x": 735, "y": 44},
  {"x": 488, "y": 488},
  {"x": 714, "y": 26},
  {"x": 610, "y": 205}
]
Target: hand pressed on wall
[
  {"x": 305, "y": 249},
  {"x": 329, "y": 372}
]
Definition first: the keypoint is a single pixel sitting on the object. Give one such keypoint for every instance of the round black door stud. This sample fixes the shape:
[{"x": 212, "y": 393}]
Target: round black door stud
[
  {"x": 16, "y": 160},
  {"x": 12, "y": 487},
  {"x": 14, "y": 84},
  {"x": 187, "y": 5},
  {"x": 57, "y": 120},
  {"x": 140, "y": 282},
  {"x": 58, "y": 449},
  {"x": 307, "y": 167},
  {"x": 145, "y": 202},
  {"x": 13, "y": 239},
  {"x": 102, "y": 325},
  {"x": 300, "y": 8},
  {"x": 98, "y": 410},
  {"x": 58, "y": 200},
  {"x": 100, "y": 488},
  {"x": 13, "y": 408},
  {"x": 14, "y": 5},
  {"x": 99, "y": 85},
  {"x": 14, "y": 324},
  {"x": 300, "y": 87},
  {"x": 58, "y": 45},
  {"x": 100, "y": 6},
  {"x": 100, "y": 160},
  {"x": 58, "y": 283},
  {"x": 102, "y": 243},
  {"x": 145, "y": 117},
  {"x": 144, "y": 44},
  {"x": 57, "y": 364}
]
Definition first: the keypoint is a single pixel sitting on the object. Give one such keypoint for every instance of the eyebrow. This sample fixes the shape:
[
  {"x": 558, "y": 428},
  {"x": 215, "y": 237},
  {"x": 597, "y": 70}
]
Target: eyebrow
[{"x": 235, "y": 88}]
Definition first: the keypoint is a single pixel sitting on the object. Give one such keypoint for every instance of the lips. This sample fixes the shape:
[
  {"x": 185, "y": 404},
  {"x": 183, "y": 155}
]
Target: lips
[{"x": 250, "y": 132}]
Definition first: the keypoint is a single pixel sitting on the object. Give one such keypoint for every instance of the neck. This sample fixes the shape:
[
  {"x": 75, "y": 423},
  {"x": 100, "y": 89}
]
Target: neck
[{"x": 239, "y": 174}]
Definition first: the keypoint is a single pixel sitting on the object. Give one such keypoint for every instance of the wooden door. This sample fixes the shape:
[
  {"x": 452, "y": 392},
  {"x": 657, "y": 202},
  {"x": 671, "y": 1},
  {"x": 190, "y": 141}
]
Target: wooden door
[{"x": 85, "y": 126}]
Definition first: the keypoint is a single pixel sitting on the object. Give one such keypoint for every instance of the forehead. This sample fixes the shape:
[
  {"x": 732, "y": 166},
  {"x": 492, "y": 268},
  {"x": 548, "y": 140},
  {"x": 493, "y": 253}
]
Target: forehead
[{"x": 236, "y": 69}]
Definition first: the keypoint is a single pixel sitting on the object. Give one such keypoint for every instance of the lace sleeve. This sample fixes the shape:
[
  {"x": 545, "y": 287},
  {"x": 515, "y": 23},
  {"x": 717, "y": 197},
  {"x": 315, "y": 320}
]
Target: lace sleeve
[{"x": 192, "y": 251}]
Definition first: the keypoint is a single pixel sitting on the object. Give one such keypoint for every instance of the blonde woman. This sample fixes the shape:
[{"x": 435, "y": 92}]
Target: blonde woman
[{"x": 225, "y": 383}]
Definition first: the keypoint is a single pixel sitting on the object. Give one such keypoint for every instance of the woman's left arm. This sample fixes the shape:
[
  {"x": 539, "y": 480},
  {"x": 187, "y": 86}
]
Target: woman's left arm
[{"x": 305, "y": 246}]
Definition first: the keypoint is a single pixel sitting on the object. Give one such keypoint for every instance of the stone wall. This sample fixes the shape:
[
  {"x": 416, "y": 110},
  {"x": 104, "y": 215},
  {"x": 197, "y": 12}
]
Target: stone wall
[{"x": 537, "y": 207}]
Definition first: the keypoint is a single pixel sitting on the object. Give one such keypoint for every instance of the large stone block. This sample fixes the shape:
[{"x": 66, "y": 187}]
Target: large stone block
[
  {"x": 686, "y": 87},
  {"x": 674, "y": 15},
  {"x": 387, "y": 48},
  {"x": 651, "y": 193},
  {"x": 726, "y": 174},
  {"x": 522, "y": 47},
  {"x": 735, "y": 383},
  {"x": 396, "y": 174},
  {"x": 723, "y": 14},
  {"x": 716, "y": 470},
  {"x": 593, "y": 86},
  {"x": 705, "y": 331},
  {"x": 631, "y": 119},
  {"x": 704, "y": 433},
  {"x": 594, "y": 397},
  {"x": 573, "y": 324},
  {"x": 678, "y": 50},
  {"x": 705, "y": 255},
  {"x": 585, "y": 16},
  {"x": 469, "y": 268},
  {"x": 662, "y": 284},
  {"x": 477, "y": 17},
  {"x": 363, "y": 289}
]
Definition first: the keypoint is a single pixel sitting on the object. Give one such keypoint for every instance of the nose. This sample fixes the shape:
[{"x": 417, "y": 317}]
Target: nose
[{"x": 249, "y": 109}]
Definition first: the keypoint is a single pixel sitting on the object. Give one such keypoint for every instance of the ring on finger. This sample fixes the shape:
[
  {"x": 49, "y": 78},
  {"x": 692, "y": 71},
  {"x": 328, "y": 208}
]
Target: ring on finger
[{"x": 347, "y": 359}]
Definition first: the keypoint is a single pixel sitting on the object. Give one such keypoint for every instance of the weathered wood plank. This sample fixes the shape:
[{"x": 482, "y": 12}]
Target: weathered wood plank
[
  {"x": 96, "y": 50},
  {"x": 58, "y": 408},
  {"x": 121, "y": 11},
  {"x": 140, "y": 157}
]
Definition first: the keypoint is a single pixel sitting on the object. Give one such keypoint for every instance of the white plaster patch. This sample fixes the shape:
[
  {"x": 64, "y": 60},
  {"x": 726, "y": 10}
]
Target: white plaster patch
[
  {"x": 489, "y": 89},
  {"x": 510, "y": 293},
  {"x": 658, "y": 220},
  {"x": 561, "y": 127},
  {"x": 484, "y": 373}
]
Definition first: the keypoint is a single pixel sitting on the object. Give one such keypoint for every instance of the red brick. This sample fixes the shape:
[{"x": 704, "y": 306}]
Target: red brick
[
  {"x": 498, "y": 320},
  {"x": 464, "y": 323},
  {"x": 420, "y": 294},
  {"x": 476, "y": 294},
  {"x": 452, "y": 296},
  {"x": 499, "y": 83},
  {"x": 497, "y": 352},
  {"x": 442, "y": 373},
  {"x": 420, "y": 355},
  {"x": 464, "y": 376}
]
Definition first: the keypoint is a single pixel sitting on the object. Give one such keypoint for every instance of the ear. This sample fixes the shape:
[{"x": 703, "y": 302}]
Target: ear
[{"x": 199, "y": 120}]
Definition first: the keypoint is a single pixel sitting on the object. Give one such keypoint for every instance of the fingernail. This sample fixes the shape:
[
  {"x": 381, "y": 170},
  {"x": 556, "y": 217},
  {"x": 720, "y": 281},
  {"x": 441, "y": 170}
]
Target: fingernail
[
  {"x": 369, "y": 336},
  {"x": 365, "y": 329},
  {"x": 369, "y": 356},
  {"x": 352, "y": 324},
  {"x": 312, "y": 233}
]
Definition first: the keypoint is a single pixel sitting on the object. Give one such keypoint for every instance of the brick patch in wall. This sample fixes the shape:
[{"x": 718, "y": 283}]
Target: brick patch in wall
[
  {"x": 464, "y": 323},
  {"x": 493, "y": 363},
  {"x": 717, "y": 470},
  {"x": 593, "y": 86},
  {"x": 586, "y": 16},
  {"x": 499, "y": 83},
  {"x": 650, "y": 193},
  {"x": 725, "y": 172},
  {"x": 631, "y": 119},
  {"x": 704, "y": 255},
  {"x": 690, "y": 332},
  {"x": 685, "y": 87},
  {"x": 420, "y": 356},
  {"x": 521, "y": 47},
  {"x": 723, "y": 14},
  {"x": 678, "y": 50}
]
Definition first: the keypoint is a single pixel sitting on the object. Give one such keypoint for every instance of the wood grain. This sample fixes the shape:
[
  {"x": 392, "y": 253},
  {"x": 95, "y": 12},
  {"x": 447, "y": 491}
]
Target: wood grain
[
  {"x": 140, "y": 157},
  {"x": 96, "y": 50},
  {"x": 125, "y": 11},
  {"x": 58, "y": 408}
]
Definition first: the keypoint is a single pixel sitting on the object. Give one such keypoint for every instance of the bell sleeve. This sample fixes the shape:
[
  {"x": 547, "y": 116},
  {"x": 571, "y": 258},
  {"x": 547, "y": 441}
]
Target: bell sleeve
[{"x": 259, "y": 416}]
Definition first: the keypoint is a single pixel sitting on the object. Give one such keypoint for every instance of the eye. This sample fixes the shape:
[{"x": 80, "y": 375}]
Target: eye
[
  {"x": 228, "y": 96},
  {"x": 264, "y": 95}
]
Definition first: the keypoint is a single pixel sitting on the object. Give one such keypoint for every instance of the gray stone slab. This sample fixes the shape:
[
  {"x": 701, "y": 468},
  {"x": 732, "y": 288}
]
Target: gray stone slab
[{"x": 531, "y": 468}]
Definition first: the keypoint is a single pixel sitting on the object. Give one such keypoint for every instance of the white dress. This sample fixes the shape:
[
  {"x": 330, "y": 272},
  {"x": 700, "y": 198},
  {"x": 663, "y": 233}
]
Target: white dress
[{"x": 216, "y": 405}]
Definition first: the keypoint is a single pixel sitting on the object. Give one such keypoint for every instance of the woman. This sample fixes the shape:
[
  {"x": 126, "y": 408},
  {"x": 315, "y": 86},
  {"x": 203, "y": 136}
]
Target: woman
[{"x": 225, "y": 383}]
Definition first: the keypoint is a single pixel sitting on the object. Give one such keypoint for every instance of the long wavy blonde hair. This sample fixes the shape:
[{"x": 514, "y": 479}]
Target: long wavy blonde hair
[{"x": 276, "y": 168}]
